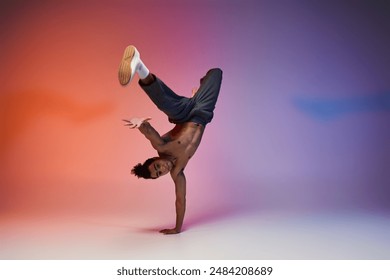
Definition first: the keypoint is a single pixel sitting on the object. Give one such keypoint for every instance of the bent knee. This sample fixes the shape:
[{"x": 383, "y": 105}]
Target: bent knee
[
  {"x": 215, "y": 71},
  {"x": 215, "y": 74}
]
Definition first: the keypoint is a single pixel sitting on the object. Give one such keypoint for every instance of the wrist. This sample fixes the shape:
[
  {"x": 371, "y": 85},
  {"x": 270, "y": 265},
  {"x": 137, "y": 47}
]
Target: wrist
[{"x": 142, "y": 124}]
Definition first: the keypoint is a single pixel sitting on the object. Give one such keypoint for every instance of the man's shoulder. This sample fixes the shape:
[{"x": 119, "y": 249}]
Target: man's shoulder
[{"x": 177, "y": 172}]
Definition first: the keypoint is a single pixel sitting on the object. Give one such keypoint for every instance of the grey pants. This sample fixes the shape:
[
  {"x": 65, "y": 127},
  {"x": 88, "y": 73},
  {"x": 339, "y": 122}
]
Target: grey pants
[{"x": 180, "y": 109}]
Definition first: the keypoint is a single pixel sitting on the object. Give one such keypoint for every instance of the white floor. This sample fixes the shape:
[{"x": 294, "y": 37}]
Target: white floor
[{"x": 262, "y": 235}]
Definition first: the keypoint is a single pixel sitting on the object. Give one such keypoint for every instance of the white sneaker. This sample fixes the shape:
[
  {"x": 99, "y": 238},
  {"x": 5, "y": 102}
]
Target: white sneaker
[{"x": 128, "y": 65}]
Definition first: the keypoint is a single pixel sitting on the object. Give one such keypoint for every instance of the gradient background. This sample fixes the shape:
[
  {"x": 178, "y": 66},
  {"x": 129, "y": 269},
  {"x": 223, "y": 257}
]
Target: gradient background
[{"x": 301, "y": 125}]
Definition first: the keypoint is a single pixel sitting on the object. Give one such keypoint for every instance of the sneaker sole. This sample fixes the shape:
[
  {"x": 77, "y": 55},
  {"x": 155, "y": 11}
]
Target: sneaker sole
[{"x": 125, "y": 71}]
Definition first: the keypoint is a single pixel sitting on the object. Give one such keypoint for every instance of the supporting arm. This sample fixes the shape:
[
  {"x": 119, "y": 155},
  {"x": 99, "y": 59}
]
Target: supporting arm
[{"x": 180, "y": 203}]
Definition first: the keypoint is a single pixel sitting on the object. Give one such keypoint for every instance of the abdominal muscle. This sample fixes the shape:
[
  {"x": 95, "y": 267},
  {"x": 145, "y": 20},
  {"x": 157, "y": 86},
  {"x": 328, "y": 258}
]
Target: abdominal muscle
[{"x": 185, "y": 139}]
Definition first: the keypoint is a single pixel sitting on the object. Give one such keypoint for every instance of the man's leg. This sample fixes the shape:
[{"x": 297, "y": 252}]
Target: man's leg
[
  {"x": 148, "y": 80},
  {"x": 206, "y": 97},
  {"x": 199, "y": 108},
  {"x": 176, "y": 107}
]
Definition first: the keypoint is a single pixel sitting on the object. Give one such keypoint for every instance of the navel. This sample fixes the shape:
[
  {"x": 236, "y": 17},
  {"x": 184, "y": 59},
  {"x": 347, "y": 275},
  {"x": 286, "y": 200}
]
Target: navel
[{"x": 178, "y": 142}]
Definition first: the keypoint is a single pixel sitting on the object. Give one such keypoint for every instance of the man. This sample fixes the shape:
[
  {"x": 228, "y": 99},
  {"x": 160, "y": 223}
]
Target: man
[{"x": 190, "y": 116}]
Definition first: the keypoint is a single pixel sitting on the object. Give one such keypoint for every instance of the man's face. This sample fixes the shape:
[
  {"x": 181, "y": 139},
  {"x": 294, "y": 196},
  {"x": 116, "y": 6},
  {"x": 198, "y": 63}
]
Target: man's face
[{"x": 160, "y": 167}]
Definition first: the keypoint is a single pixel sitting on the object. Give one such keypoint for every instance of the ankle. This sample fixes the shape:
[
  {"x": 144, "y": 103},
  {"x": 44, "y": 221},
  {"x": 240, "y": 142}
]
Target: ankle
[
  {"x": 142, "y": 70},
  {"x": 149, "y": 79}
]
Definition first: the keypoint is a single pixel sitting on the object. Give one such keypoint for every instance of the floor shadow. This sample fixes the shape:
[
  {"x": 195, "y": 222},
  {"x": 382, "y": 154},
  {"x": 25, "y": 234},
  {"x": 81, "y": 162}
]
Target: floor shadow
[
  {"x": 196, "y": 220},
  {"x": 150, "y": 230},
  {"x": 213, "y": 216}
]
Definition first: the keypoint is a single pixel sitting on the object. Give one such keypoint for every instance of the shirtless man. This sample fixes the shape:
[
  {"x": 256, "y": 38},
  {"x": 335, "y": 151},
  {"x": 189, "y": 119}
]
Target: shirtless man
[{"x": 190, "y": 116}]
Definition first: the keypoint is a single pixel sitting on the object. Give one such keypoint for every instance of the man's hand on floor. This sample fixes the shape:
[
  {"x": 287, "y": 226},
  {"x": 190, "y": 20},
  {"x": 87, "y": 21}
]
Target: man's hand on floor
[{"x": 170, "y": 231}]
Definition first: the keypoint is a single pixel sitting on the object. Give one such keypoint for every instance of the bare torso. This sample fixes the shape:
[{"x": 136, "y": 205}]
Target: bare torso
[{"x": 181, "y": 144}]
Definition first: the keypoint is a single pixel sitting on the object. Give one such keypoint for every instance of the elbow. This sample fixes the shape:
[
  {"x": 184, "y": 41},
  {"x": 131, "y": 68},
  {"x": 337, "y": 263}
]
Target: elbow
[{"x": 181, "y": 203}]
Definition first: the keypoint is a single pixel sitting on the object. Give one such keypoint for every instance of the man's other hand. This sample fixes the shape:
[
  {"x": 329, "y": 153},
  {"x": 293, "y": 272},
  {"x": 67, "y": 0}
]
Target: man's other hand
[{"x": 136, "y": 122}]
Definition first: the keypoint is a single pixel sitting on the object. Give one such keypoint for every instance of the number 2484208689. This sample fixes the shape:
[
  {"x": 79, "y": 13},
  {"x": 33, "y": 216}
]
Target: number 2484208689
[{"x": 240, "y": 270}]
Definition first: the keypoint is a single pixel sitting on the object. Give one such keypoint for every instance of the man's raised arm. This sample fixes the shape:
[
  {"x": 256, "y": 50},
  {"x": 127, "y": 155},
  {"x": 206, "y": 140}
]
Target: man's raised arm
[{"x": 146, "y": 129}]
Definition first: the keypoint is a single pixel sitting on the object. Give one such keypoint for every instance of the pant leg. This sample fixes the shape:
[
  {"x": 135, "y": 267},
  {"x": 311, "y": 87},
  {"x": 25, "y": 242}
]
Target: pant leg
[
  {"x": 206, "y": 97},
  {"x": 176, "y": 107}
]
